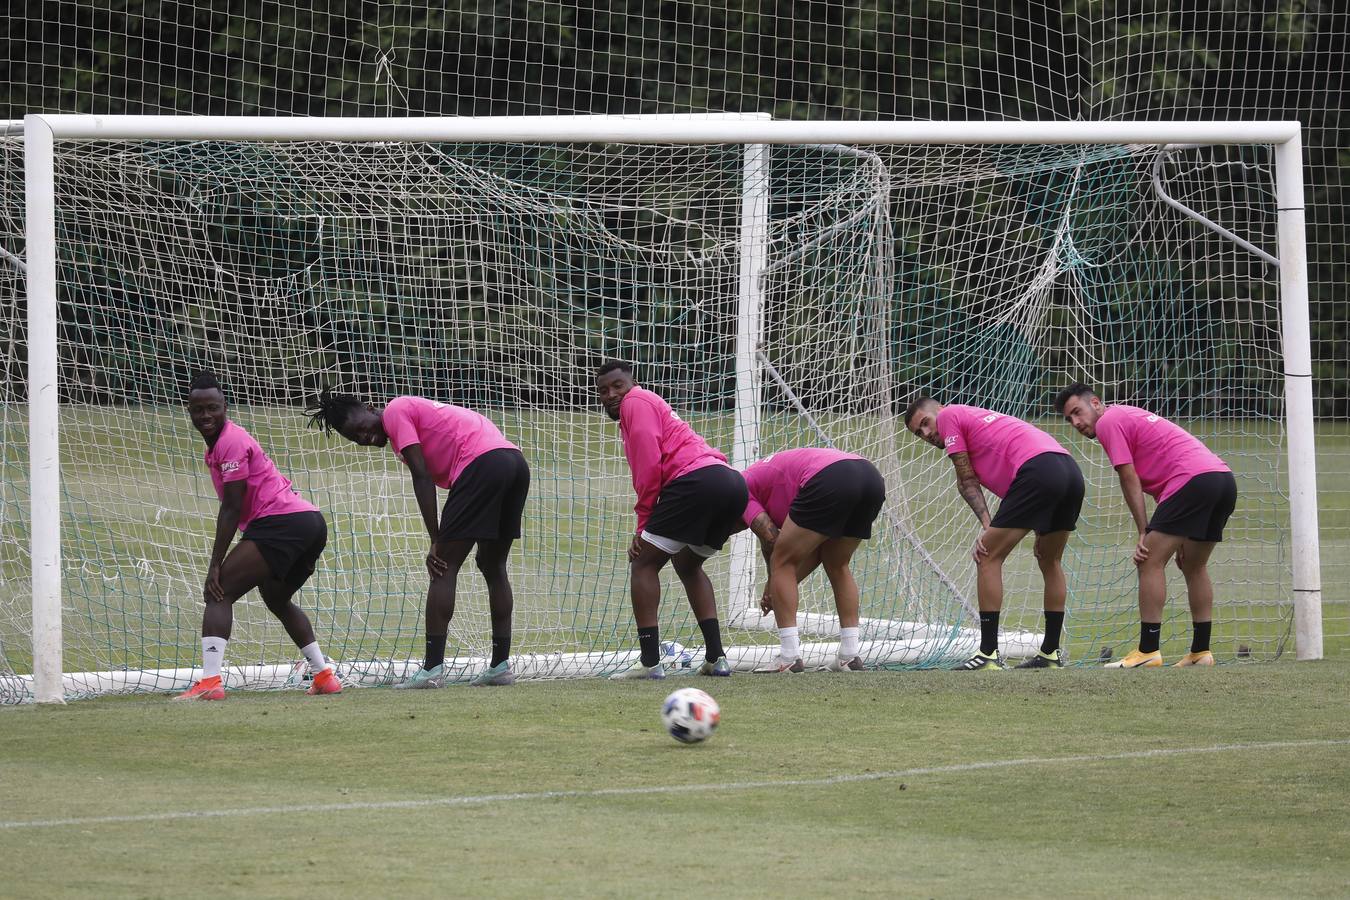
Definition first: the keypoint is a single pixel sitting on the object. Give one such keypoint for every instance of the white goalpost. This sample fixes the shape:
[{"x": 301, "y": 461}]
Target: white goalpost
[{"x": 790, "y": 281}]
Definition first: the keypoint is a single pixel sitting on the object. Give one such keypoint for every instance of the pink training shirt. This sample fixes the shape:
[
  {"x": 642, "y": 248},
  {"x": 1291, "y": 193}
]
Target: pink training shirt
[
  {"x": 451, "y": 436},
  {"x": 238, "y": 457},
  {"x": 1164, "y": 455},
  {"x": 775, "y": 480},
  {"x": 997, "y": 444},
  {"x": 660, "y": 447}
]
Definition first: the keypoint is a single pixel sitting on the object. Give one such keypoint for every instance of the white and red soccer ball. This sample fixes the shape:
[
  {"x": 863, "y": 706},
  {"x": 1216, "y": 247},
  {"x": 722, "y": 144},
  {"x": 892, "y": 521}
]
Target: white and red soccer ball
[{"x": 690, "y": 715}]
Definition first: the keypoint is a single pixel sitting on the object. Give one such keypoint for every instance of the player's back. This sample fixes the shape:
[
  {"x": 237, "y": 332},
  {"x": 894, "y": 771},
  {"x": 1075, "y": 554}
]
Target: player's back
[{"x": 681, "y": 449}]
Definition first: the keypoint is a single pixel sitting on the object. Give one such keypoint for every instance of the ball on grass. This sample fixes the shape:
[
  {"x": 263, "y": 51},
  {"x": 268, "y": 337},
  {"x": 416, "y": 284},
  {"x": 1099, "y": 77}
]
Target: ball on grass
[{"x": 690, "y": 715}]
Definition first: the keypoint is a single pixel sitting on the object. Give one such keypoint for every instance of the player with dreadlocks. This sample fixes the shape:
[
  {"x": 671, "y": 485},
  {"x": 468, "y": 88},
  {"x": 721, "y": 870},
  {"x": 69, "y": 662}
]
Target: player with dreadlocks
[{"x": 487, "y": 479}]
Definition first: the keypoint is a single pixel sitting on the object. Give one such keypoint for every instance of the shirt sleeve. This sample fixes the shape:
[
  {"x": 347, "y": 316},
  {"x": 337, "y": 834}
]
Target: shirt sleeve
[
  {"x": 1113, "y": 441},
  {"x": 640, "y": 425},
  {"x": 949, "y": 429},
  {"x": 398, "y": 424},
  {"x": 754, "y": 484},
  {"x": 232, "y": 457}
]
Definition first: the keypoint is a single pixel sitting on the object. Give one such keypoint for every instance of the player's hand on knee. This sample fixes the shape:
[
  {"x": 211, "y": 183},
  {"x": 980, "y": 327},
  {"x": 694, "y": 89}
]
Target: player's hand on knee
[
  {"x": 634, "y": 548},
  {"x": 765, "y": 603},
  {"x": 980, "y": 551},
  {"x": 213, "y": 592},
  {"x": 436, "y": 567},
  {"x": 1140, "y": 553}
]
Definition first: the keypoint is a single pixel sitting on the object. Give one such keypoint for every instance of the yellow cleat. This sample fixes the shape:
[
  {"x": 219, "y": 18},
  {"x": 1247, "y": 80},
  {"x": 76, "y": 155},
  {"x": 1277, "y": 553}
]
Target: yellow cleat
[
  {"x": 1203, "y": 658},
  {"x": 1136, "y": 660}
]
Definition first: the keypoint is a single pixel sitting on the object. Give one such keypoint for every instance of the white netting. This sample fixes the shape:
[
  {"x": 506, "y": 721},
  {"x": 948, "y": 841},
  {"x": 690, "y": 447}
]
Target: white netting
[{"x": 496, "y": 276}]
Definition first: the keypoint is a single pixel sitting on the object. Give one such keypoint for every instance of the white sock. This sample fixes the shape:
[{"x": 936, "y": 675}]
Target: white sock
[
  {"x": 315, "y": 656},
  {"x": 848, "y": 642},
  {"x": 213, "y": 655},
  {"x": 789, "y": 644}
]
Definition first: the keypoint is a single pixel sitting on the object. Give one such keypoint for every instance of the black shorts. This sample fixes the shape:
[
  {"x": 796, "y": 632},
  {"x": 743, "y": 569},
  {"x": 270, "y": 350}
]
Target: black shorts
[
  {"x": 290, "y": 543},
  {"x": 1046, "y": 495},
  {"x": 1200, "y": 510},
  {"x": 487, "y": 499},
  {"x": 700, "y": 509},
  {"x": 841, "y": 500}
]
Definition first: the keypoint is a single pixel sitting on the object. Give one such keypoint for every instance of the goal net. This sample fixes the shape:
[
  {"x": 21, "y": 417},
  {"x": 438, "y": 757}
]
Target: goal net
[{"x": 784, "y": 296}]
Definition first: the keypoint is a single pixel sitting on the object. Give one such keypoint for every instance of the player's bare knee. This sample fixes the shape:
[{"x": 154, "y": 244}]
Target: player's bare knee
[
  {"x": 687, "y": 567},
  {"x": 491, "y": 565},
  {"x": 646, "y": 562},
  {"x": 280, "y": 609},
  {"x": 990, "y": 562},
  {"x": 1194, "y": 570},
  {"x": 835, "y": 571},
  {"x": 1155, "y": 563}
]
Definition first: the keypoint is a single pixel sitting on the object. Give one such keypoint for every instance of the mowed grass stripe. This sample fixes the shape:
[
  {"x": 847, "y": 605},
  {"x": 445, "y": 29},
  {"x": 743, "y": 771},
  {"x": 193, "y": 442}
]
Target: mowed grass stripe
[{"x": 488, "y": 799}]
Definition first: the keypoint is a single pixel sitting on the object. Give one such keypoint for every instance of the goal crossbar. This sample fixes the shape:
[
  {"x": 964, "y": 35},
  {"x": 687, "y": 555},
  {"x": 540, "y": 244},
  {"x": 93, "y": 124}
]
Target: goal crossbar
[{"x": 676, "y": 129}]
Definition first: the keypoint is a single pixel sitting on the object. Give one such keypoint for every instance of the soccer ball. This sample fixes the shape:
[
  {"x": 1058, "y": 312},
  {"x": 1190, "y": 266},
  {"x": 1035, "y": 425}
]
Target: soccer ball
[
  {"x": 690, "y": 715},
  {"x": 676, "y": 655}
]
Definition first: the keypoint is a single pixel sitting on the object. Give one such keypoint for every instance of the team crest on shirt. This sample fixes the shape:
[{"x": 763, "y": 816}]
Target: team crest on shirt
[
  {"x": 229, "y": 466},
  {"x": 950, "y": 440}
]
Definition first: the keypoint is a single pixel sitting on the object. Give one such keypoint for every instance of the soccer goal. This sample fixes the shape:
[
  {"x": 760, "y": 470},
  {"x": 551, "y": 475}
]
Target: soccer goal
[{"x": 781, "y": 283}]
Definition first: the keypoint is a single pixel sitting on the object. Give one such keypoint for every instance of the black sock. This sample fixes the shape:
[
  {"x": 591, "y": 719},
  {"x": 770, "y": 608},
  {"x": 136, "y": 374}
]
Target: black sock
[
  {"x": 1054, "y": 623},
  {"x": 988, "y": 633},
  {"x": 1200, "y": 636},
  {"x": 501, "y": 649},
  {"x": 435, "y": 651},
  {"x": 712, "y": 639},
  {"x": 650, "y": 642},
  {"x": 1149, "y": 635}
]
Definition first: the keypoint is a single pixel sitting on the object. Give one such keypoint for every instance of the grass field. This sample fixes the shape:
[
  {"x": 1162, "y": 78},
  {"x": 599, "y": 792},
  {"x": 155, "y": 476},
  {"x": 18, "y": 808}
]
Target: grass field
[{"x": 1227, "y": 782}]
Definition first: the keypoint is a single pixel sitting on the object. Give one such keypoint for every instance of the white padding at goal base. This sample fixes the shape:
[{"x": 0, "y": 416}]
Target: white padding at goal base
[
  {"x": 923, "y": 645},
  {"x": 920, "y": 640}
]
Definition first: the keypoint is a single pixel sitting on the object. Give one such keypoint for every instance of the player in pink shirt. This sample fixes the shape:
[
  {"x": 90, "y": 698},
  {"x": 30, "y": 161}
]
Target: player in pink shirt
[
  {"x": 812, "y": 508},
  {"x": 1195, "y": 492},
  {"x": 282, "y": 538},
  {"x": 487, "y": 482},
  {"x": 1040, "y": 488},
  {"x": 688, "y": 502}
]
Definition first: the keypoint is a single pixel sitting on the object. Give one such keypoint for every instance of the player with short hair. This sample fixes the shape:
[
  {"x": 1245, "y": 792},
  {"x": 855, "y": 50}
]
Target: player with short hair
[
  {"x": 1195, "y": 492},
  {"x": 811, "y": 508},
  {"x": 487, "y": 480},
  {"x": 282, "y": 538},
  {"x": 688, "y": 502},
  {"x": 1041, "y": 489}
]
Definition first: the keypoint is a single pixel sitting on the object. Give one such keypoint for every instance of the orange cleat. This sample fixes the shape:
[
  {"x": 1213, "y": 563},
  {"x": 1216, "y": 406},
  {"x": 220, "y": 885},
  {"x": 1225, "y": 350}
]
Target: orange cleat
[
  {"x": 206, "y": 689},
  {"x": 325, "y": 682},
  {"x": 1137, "y": 659},
  {"x": 1202, "y": 658}
]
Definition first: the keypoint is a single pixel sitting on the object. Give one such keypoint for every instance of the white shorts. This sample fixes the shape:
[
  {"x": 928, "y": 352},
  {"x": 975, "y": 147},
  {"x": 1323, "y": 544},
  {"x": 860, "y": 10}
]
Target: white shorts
[{"x": 671, "y": 546}]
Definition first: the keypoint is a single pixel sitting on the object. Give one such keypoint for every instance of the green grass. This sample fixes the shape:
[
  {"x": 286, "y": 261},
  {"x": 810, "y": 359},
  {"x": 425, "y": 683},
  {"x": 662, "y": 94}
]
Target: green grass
[{"x": 1073, "y": 818}]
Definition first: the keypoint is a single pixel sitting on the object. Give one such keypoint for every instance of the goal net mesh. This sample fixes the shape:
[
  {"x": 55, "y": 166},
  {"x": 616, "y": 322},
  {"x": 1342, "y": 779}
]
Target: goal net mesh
[{"x": 497, "y": 277}]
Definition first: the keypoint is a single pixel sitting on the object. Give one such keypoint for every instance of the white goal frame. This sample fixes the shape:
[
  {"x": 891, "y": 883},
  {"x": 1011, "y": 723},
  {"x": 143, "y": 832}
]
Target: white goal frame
[{"x": 752, "y": 131}]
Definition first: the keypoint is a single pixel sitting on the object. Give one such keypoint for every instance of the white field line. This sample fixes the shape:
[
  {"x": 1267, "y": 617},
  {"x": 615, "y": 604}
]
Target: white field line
[{"x": 491, "y": 799}]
